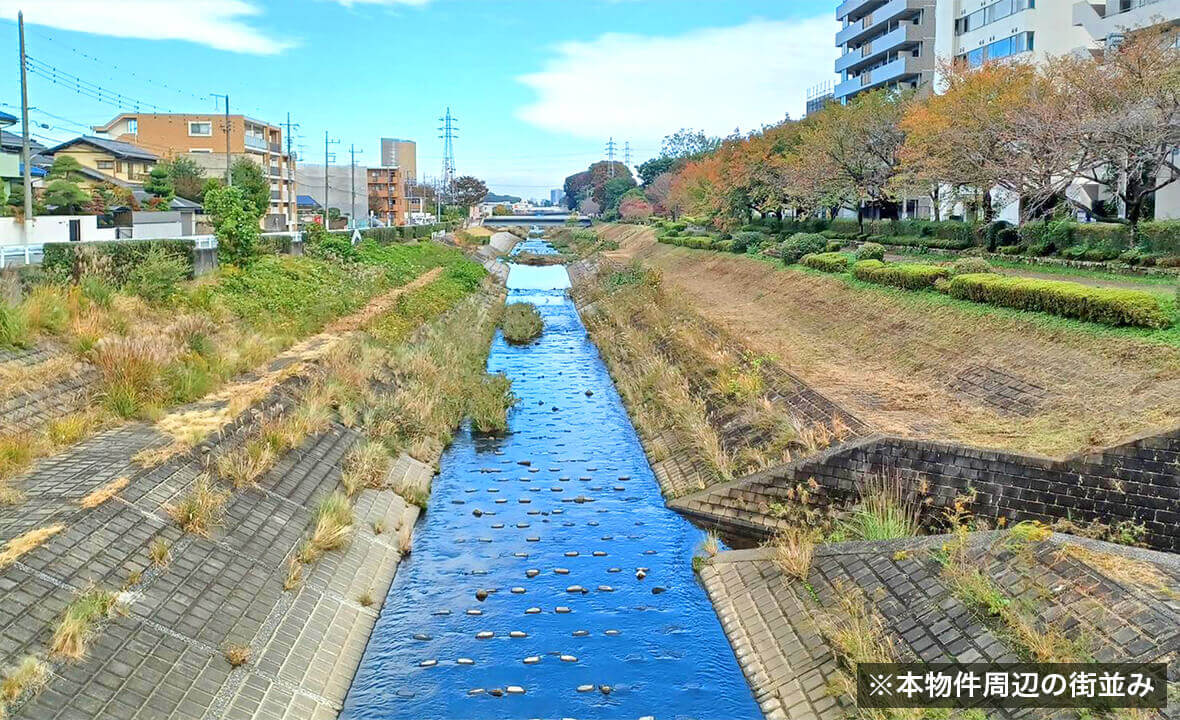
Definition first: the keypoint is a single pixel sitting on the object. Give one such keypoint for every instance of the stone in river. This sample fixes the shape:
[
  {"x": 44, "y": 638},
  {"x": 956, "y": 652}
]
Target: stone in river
[
  {"x": 514, "y": 690},
  {"x": 569, "y": 658},
  {"x": 481, "y": 595},
  {"x": 485, "y": 635},
  {"x": 465, "y": 661},
  {"x": 532, "y": 660},
  {"x": 422, "y": 637},
  {"x": 605, "y": 689},
  {"x": 518, "y": 591},
  {"x": 575, "y": 589},
  {"x": 428, "y": 663},
  {"x": 561, "y": 610},
  {"x": 581, "y": 633},
  {"x": 640, "y": 574},
  {"x": 585, "y": 688},
  {"x": 518, "y": 634},
  {"x": 532, "y": 573},
  {"x": 657, "y": 590},
  {"x": 532, "y": 611}
]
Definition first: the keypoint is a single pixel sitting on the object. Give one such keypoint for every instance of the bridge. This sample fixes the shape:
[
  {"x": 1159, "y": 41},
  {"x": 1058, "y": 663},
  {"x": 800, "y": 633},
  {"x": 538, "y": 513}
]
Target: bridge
[{"x": 547, "y": 220}]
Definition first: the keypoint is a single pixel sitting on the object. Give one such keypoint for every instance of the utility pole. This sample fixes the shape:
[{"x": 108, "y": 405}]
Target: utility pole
[
  {"x": 293, "y": 199},
  {"x": 327, "y": 159},
  {"x": 229, "y": 180},
  {"x": 24, "y": 114},
  {"x": 352, "y": 178},
  {"x": 449, "y": 127},
  {"x": 610, "y": 154}
]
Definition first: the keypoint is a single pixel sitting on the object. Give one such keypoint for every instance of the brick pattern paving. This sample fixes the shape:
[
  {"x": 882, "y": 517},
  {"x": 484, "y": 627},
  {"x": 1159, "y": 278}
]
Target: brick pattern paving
[
  {"x": 999, "y": 390},
  {"x": 774, "y": 622},
  {"x": 165, "y": 657}
]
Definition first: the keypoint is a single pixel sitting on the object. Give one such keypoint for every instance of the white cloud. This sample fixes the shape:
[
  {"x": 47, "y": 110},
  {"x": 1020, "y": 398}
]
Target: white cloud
[
  {"x": 350, "y": 3},
  {"x": 216, "y": 23},
  {"x": 716, "y": 79}
]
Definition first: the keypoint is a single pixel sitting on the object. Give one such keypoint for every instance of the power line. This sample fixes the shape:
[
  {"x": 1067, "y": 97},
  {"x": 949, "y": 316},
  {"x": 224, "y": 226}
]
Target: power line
[{"x": 84, "y": 87}]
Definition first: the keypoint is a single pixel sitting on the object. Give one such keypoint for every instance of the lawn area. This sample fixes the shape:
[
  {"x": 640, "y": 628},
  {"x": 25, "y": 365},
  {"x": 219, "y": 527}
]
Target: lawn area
[{"x": 893, "y": 357}]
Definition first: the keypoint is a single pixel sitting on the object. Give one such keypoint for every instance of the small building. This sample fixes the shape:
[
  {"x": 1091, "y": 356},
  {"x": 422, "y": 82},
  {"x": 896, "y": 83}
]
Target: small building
[
  {"x": 387, "y": 195},
  {"x": 103, "y": 160}
]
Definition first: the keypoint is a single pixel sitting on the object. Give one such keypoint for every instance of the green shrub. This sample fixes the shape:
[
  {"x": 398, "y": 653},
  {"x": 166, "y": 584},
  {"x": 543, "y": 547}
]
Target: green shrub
[
  {"x": 1111, "y": 238},
  {"x": 273, "y": 245},
  {"x": 871, "y": 251},
  {"x": 1161, "y": 237},
  {"x": 521, "y": 323},
  {"x": 724, "y": 245},
  {"x": 121, "y": 256},
  {"x": 14, "y": 328},
  {"x": 970, "y": 266},
  {"x": 158, "y": 277},
  {"x": 745, "y": 240},
  {"x": 385, "y": 234},
  {"x": 1073, "y": 300},
  {"x": 832, "y": 262},
  {"x": 1011, "y": 249},
  {"x": 319, "y": 243},
  {"x": 844, "y": 228},
  {"x": 911, "y": 276},
  {"x": 800, "y": 244}
]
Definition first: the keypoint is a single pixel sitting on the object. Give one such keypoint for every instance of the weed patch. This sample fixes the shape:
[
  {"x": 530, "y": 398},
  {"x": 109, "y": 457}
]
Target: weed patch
[
  {"x": 521, "y": 323},
  {"x": 77, "y": 625}
]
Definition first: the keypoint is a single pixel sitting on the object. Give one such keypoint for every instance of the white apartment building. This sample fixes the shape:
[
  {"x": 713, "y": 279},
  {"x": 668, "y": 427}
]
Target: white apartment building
[
  {"x": 884, "y": 44},
  {"x": 898, "y": 43}
]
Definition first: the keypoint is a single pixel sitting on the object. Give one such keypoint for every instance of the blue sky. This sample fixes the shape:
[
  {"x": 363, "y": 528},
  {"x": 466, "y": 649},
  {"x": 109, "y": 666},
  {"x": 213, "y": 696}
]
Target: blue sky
[{"x": 538, "y": 86}]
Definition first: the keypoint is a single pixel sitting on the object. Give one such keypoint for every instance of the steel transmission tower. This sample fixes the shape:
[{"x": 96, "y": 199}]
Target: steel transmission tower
[
  {"x": 610, "y": 156},
  {"x": 627, "y": 154},
  {"x": 449, "y": 133}
]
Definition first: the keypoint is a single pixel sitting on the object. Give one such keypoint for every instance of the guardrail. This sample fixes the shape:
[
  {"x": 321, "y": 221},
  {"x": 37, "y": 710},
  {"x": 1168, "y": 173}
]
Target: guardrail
[{"x": 21, "y": 255}]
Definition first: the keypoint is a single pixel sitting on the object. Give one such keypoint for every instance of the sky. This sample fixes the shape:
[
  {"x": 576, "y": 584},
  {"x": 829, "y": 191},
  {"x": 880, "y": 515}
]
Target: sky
[{"x": 538, "y": 87}]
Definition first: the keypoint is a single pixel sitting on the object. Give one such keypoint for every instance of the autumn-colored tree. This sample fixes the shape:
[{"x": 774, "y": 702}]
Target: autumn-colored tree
[
  {"x": 1131, "y": 124},
  {"x": 635, "y": 207},
  {"x": 851, "y": 153}
]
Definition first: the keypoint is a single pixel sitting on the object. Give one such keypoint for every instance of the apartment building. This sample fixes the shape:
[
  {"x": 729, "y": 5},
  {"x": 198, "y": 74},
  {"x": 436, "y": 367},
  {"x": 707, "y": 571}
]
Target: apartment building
[
  {"x": 885, "y": 44},
  {"x": 387, "y": 195},
  {"x": 402, "y": 154},
  {"x": 979, "y": 31},
  {"x": 204, "y": 136}
]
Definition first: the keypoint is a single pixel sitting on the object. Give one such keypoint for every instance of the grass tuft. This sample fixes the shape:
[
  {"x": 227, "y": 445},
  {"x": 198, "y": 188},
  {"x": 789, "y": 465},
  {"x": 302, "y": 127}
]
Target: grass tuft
[
  {"x": 365, "y": 466},
  {"x": 794, "y": 548},
  {"x": 237, "y": 655},
  {"x": 201, "y": 509},
  {"x": 25, "y": 679},
  {"x": 76, "y": 627},
  {"x": 521, "y": 323},
  {"x": 100, "y": 495},
  {"x": 159, "y": 553}
]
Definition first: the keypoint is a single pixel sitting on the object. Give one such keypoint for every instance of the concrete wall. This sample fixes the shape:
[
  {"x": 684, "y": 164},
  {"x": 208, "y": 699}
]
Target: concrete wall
[{"x": 51, "y": 228}]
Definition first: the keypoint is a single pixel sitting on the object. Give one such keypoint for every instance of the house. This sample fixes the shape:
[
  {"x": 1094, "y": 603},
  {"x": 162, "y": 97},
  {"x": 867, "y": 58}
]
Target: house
[
  {"x": 203, "y": 137},
  {"x": 103, "y": 160}
]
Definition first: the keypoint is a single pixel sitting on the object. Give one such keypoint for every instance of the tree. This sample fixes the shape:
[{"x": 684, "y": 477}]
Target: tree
[
  {"x": 1131, "y": 128},
  {"x": 247, "y": 175},
  {"x": 657, "y": 191},
  {"x": 65, "y": 196},
  {"x": 501, "y": 210},
  {"x": 64, "y": 167},
  {"x": 188, "y": 178},
  {"x": 688, "y": 144},
  {"x": 469, "y": 191},
  {"x": 159, "y": 184},
  {"x": 634, "y": 206},
  {"x": 235, "y": 222},
  {"x": 589, "y": 207},
  {"x": 656, "y": 167},
  {"x": 575, "y": 187},
  {"x": 851, "y": 153},
  {"x": 614, "y": 190}
]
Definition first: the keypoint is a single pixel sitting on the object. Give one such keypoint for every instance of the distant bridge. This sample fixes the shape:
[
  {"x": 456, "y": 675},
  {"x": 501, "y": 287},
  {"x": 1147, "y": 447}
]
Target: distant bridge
[{"x": 548, "y": 220}]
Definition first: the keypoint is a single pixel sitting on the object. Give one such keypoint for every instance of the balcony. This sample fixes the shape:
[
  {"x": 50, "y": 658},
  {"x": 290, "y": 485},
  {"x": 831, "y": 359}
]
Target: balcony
[
  {"x": 1142, "y": 13},
  {"x": 276, "y": 147},
  {"x": 891, "y": 10},
  {"x": 904, "y": 34},
  {"x": 255, "y": 143},
  {"x": 902, "y": 67},
  {"x": 850, "y": 7}
]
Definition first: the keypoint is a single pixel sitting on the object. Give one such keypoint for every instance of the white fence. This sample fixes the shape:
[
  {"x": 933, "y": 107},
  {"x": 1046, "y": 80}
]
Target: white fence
[{"x": 33, "y": 253}]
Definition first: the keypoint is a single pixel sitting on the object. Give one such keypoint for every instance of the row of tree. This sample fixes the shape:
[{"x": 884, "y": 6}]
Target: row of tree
[{"x": 1030, "y": 131}]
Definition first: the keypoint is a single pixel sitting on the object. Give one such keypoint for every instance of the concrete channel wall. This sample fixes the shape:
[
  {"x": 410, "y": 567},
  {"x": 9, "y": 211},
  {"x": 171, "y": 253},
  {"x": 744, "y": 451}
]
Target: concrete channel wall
[{"x": 1136, "y": 482}]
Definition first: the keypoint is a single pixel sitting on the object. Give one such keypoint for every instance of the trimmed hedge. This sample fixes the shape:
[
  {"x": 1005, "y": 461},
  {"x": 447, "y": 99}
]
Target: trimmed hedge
[
  {"x": 124, "y": 255},
  {"x": 921, "y": 241},
  {"x": 911, "y": 276},
  {"x": 871, "y": 251},
  {"x": 795, "y": 247},
  {"x": 832, "y": 262},
  {"x": 1067, "y": 299}
]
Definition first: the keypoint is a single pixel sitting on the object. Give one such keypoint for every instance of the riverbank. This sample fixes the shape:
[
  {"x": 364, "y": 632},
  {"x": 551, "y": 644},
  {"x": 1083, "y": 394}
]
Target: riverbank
[{"x": 238, "y": 570}]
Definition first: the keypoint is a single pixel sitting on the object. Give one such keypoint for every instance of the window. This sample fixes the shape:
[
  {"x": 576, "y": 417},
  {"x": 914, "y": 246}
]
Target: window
[
  {"x": 132, "y": 126},
  {"x": 1009, "y": 46},
  {"x": 990, "y": 14},
  {"x": 105, "y": 164},
  {"x": 200, "y": 129}
]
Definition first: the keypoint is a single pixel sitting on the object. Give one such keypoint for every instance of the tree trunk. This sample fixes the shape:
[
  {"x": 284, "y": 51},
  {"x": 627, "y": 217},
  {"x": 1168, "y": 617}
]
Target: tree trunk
[{"x": 989, "y": 210}]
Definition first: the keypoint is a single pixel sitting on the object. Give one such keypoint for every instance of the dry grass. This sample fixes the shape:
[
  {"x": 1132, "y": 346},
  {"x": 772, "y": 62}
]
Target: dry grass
[
  {"x": 365, "y": 466},
  {"x": 366, "y": 598},
  {"x": 1124, "y": 570},
  {"x": 100, "y": 495},
  {"x": 21, "y": 544},
  {"x": 294, "y": 574},
  {"x": 889, "y": 356},
  {"x": 246, "y": 464},
  {"x": 159, "y": 553},
  {"x": 793, "y": 549},
  {"x": 201, "y": 509},
  {"x": 25, "y": 679},
  {"x": 237, "y": 655},
  {"x": 130, "y": 370},
  {"x": 333, "y": 527},
  {"x": 76, "y": 627}
]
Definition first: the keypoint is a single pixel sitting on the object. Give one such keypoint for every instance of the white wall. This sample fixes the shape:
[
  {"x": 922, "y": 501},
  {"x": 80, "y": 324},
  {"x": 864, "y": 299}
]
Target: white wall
[{"x": 51, "y": 228}]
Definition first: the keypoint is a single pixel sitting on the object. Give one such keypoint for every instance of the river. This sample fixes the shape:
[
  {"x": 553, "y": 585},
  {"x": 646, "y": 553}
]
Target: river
[{"x": 592, "y": 606}]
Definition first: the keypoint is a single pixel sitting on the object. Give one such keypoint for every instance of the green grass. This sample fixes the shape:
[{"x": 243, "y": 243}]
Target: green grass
[
  {"x": 1162, "y": 284},
  {"x": 521, "y": 323},
  {"x": 426, "y": 303},
  {"x": 929, "y": 300}
]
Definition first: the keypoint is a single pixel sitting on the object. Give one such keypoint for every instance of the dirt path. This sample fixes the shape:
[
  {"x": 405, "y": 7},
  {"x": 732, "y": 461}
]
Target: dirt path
[{"x": 909, "y": 364}]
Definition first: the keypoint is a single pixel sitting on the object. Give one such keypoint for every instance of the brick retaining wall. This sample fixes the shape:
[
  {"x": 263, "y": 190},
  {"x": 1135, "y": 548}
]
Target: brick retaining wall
[{"x": 1138, "y": 481}]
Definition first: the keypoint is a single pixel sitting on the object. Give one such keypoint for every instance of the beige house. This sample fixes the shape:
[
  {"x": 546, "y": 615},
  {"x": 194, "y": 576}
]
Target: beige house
[{"x": 105, "y": 160}]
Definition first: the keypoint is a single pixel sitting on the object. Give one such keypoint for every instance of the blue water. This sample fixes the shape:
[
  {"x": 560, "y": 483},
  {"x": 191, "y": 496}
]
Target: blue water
[{"x": 663, "y": 655}]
